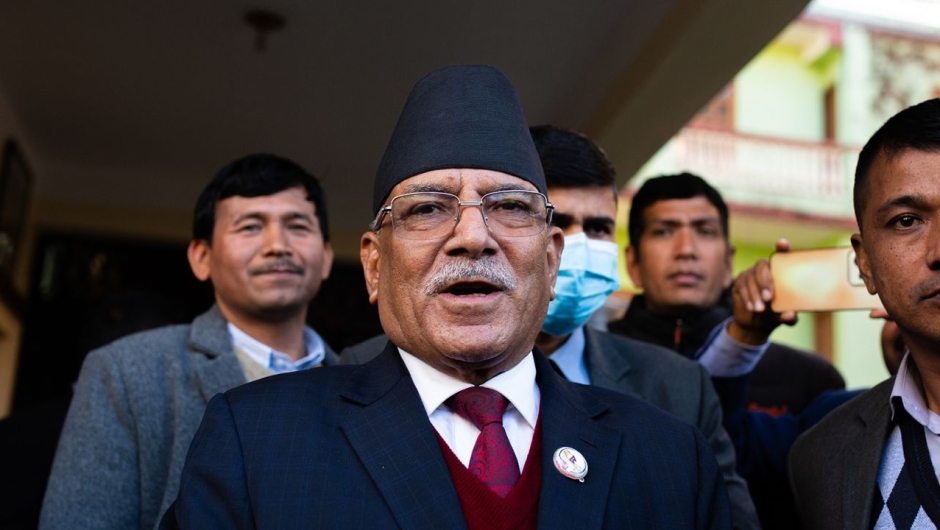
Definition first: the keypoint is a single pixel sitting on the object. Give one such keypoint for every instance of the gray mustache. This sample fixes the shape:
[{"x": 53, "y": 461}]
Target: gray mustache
[{"x": 477, "y": 270}]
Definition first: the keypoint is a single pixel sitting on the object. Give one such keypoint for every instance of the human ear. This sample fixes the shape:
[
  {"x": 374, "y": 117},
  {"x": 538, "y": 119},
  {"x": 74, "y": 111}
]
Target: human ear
[
  {"x": 861, "y": 258},
  {"x": 554, "y": 247},
  {"x": 633, "y": 266},
  {"x": 370, "y": 256},
  {"x": 199, "y": 259}
]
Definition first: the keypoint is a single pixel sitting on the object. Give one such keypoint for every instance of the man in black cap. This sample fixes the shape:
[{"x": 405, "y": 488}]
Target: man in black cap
[{"x": 460, "y": 422}]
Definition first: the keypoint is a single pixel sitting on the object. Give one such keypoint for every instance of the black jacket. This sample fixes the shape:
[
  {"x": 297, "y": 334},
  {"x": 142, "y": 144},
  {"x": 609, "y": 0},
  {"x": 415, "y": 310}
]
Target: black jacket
[{"x": 785, "y": 380}]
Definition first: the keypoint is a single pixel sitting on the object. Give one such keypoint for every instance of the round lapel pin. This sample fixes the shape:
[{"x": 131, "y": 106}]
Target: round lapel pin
[{"x": 570, "y": 463}]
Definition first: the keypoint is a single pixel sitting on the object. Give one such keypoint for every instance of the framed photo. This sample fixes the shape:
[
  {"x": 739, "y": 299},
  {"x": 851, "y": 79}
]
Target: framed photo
[{"x": 15, "y": 187}]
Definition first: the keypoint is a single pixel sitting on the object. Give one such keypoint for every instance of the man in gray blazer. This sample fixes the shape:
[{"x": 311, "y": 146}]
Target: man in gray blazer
[
  {"x": 260, "y": 234},
  {"x": 870, "y": 463}
]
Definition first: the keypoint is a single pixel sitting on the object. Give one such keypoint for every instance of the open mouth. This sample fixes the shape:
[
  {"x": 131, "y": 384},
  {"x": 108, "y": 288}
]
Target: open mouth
[{"x": 471, "y": 289}]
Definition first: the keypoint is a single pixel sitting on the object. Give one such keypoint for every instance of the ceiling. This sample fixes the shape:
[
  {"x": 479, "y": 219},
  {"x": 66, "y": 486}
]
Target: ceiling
[{"x": 137, "y": 104}]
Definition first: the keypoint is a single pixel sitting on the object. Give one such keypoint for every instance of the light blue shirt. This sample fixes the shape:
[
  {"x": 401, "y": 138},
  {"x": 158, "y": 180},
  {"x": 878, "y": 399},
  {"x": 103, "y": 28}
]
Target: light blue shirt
[
  {"x": 569, "y": 358},
  {"x": 279, "y": 362},
  {"x": 726, "y": 357}
]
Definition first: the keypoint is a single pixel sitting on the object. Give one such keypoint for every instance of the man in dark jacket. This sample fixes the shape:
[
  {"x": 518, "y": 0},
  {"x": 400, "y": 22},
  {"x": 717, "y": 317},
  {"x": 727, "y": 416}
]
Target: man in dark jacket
[
  {"x": 581, "y": 185},
  {"x": 680, "y": 256}
]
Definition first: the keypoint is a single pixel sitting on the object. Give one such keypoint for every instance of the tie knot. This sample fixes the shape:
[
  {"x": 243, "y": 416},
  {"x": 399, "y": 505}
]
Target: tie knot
[{"x": 480, "y": 406}]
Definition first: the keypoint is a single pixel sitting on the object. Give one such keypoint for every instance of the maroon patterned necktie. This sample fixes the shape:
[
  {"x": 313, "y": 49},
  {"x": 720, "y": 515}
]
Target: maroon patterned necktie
[{"x": 493, "y": 460}]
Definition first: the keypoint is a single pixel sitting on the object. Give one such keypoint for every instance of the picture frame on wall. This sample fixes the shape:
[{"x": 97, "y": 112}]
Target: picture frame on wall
[{"x": 15, "y": 188}]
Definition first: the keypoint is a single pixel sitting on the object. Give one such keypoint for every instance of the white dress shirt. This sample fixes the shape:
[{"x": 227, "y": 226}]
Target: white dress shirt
[
  {"x": 279, "y": 362},
  {"x": 911, "y": 391},
  {"x": 517, "y": 385}
]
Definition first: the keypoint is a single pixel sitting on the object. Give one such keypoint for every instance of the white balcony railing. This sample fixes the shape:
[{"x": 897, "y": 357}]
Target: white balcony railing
[{"x": 801, "y": 176}]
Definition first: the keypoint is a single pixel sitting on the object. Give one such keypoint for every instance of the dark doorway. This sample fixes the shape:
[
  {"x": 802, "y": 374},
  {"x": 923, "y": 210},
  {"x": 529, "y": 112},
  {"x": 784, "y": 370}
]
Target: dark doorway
[{"x": 87, "y": 291}]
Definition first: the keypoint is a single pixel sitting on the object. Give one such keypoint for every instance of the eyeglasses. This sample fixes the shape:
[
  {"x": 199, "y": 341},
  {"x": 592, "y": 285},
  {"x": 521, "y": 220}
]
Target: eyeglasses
[{"x": 433, "y": 215}]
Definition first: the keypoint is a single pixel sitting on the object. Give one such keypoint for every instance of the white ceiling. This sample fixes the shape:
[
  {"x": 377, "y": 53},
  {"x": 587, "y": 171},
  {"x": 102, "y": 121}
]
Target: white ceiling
[{"x": 139, "y": 103}]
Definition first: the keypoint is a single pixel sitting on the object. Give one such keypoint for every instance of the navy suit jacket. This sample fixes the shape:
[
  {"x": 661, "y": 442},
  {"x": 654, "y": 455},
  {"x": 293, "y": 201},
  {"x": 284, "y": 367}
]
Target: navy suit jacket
[
  {"x": 352, "y": 447},
  {"x": 656, "y": 375}
]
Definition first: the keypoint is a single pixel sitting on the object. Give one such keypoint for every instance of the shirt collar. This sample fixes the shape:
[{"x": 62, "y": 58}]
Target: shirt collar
[
  {"x": 909, "y": 388},
  {"x": 517, "y": 384},
  {"x": 569, "y": 358},
  {"x": 276, "y": 361}
]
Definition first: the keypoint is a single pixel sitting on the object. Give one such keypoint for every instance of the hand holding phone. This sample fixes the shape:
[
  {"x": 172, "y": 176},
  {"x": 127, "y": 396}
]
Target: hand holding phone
[
  {"x": 824, "y": 279},
  {"x": 753, "y": 291}
]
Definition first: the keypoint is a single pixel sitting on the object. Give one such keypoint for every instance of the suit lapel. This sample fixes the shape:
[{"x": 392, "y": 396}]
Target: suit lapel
[
  {"x": 396, "y": 443},
  {"x": 605, "y": 369},
  {"x": 861, "y": 458},
  {"x": 567, "y": 421},
  {"x": 215, "y": 363},
  {"x": 330, "y": 358}
]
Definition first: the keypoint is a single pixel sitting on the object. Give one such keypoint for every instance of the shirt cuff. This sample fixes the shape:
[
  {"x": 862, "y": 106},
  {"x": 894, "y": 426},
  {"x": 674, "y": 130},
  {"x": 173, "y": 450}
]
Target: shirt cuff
[{"x": 726, "y": 357}]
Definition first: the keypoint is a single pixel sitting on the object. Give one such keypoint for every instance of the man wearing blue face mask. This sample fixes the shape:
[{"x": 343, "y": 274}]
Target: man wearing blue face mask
[{"x": 581, "y": 185}]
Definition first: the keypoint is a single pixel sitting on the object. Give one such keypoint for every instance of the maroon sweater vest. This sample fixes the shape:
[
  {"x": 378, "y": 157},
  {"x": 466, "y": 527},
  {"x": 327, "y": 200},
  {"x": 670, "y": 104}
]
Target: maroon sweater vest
[{"x": 485, "y": 510}]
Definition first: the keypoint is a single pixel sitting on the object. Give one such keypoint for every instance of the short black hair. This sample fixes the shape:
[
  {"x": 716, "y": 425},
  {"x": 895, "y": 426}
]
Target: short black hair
[
  {"x": 256, "y": 175},
  {"x": 916, "y": 127},
  {"x": 572, "y": 160},
  {"x": 667, "y": 187}
]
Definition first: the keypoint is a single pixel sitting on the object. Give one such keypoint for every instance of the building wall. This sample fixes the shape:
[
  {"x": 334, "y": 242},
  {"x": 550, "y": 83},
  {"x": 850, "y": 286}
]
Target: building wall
[
  {"x": 855, "y": 121},
  {"x": 781, "y": 97},
  {"x": 778, "y": 95}
]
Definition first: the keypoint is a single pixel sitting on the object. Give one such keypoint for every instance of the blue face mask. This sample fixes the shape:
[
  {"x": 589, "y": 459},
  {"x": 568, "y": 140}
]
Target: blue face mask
[{"x": 586, "y": 277}]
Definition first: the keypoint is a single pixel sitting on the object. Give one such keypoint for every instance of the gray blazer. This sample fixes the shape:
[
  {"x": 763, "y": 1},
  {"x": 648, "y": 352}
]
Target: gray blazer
[
  {"x": 834, "y": 466},
  {"x": 136, "y": 408},
  {"x": 656, "y": 375}
]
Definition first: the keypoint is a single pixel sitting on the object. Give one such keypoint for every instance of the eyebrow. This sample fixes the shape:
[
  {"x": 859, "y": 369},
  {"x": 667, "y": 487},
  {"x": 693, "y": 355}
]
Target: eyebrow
[
  {"x": 441, "y": 188},
  {"x": 607, "y": 220},
  {"x": 911, "y": 201},
  {"x": 676, "y": 222},
  {"x": 419, "y": 188},
  {"x": 508, "y": 187},
  {"x": 563, "y": 218},
  {"x": 290, "y": 216}
]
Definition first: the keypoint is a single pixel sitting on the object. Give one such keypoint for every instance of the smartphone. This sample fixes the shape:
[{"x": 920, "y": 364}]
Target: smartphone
[{"x": 822, "y": 279}]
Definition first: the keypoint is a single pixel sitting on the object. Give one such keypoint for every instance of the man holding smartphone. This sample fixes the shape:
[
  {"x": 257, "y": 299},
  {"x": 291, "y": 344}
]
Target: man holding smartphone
[
  {"x": 680, "y": 256},
  {"x": 873, "y": 462}
]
